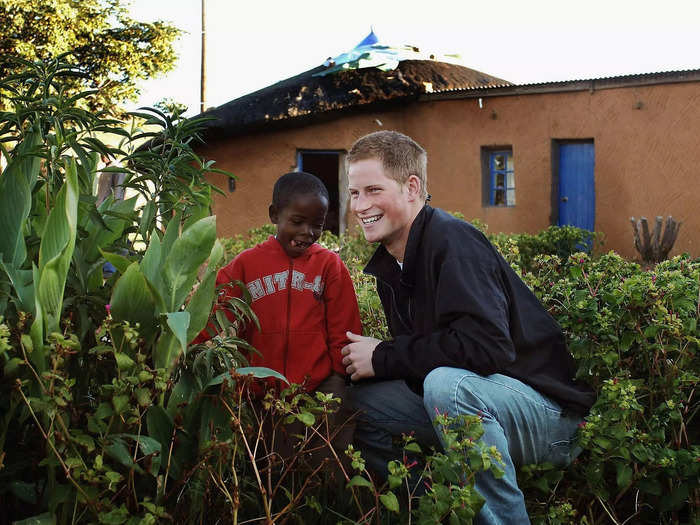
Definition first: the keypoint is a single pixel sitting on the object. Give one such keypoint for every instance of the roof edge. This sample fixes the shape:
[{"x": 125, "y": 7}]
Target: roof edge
[{"x": 593, "y": 84}]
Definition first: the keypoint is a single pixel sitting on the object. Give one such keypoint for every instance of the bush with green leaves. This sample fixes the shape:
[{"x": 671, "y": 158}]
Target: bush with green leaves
[
  {"x": 109, "y": 415},
  {"x": 635, "y": 338}
]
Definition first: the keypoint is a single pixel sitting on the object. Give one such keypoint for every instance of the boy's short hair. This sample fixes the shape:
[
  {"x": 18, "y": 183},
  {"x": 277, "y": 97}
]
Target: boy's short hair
[
  {"x": 297, "y": 183},
  {"x": 400, "y": 155}
]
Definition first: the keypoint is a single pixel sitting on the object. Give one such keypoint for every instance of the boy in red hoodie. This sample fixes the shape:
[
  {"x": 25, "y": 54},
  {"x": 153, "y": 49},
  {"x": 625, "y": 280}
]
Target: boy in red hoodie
[{"x": 301, "y": 293}]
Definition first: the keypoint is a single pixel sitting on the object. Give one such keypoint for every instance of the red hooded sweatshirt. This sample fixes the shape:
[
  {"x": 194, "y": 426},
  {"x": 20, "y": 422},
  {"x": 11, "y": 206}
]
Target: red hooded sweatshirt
[{"x": 304, "y": 305}]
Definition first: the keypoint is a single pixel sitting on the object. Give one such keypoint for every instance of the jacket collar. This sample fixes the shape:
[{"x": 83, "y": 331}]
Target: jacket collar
[{"x": 382, "y": 263}]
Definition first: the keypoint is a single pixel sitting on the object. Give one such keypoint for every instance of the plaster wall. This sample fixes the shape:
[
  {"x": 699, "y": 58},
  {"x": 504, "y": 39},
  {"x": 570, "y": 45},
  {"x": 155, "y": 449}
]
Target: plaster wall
[{"x": 647, "y": 157}]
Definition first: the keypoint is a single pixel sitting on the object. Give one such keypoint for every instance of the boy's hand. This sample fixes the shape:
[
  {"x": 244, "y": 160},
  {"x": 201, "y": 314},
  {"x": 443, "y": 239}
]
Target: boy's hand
[{"x": 357, "y": 356}]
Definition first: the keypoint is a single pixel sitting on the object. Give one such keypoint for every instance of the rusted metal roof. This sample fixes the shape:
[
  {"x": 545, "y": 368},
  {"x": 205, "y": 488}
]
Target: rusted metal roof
[{"x": 591, "y": 84}]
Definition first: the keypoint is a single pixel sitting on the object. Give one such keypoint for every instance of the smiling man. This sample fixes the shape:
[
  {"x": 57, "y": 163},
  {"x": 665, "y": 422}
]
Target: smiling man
[{"x": 468, "y": 337}]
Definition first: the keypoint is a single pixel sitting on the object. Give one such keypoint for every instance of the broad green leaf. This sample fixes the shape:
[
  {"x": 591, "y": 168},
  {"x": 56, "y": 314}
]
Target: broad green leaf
[
  {"x": 412, "y": 447},
  {"x": 182, "y": 392},
  {"x": 151, "y": 266},
  {"x": 213, "y": 418},
  {"x": 160, "y": 428},
  {"x": 184, "y": 259},
  {"x": 132, "y": 301},
  {"x": 42, "y": 519},
  {"x": 624, "y": 475},
  {"x": 120, "y": 262},
  {"x": 307, "y": 418},
  {"x": 120, "y": 403},
  {"x": 114, "y": 215},
  {"x": 16, "y": 183},
  {"x": 103, "y": 410},
  {"x": 149, "y": 447},
  {"x": 117, "y": 449},
  {"x": 201, "y": 210},
  {"x": 651, "y": 331},
  {"x": 115, "y": 516},
  {"x": 36, "y": 332},
  {"x": 143, "y": 396},
  {"x": 124, "y": 362},
  {"x": 359, "y": 481},
  {"x": 84, "y": 440},
  {"x": 167, "y": 350},
  {"x": 26, "y": 492},
  {"x": 203, "y": 299},
  {"x": 259, "y": 372},
  {"x": 148, "y": 213},
  {"x": 179, "y": 323},
  {"x": 56, "y": 250},
  {"x": 390, "y": 501},
  {"x": 171, "y": 234},
  {"x": 23, "y": 285},
  {"x": 394, "y": 481},
  {"x": 114, "y": 477},
  {"x": 12, "y": 367}
]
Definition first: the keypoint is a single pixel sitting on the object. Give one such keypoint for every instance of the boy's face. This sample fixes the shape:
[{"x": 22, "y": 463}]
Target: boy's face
[
  {"x": 300, "y": 222},
  {"x": 383, "y": 207}
]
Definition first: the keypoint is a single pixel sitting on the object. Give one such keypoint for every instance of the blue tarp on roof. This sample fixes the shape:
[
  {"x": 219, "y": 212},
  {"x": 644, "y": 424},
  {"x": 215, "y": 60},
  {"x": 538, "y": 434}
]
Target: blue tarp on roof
[{"x": 370, "y": 53}]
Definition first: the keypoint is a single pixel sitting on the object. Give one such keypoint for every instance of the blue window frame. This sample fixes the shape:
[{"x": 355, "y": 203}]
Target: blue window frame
[{"x": 501, "y": 176}]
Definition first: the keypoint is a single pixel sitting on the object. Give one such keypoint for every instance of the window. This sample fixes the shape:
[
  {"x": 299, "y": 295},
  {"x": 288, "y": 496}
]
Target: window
[{"x": 499, "y": 177}]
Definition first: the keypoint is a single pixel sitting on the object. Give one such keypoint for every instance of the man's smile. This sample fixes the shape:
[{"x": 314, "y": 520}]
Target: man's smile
[{"x": 370, "y": 220}]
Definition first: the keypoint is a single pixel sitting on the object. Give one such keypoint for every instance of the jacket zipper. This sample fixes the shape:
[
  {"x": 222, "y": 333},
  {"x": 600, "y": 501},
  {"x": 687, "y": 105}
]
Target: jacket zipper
[
  {"x": 289, "y": 308},
  {"x": 395, "y": 304}
]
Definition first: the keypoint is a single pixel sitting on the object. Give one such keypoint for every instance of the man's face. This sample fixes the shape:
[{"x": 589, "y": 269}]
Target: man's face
[{"x": 381, "y": 205}]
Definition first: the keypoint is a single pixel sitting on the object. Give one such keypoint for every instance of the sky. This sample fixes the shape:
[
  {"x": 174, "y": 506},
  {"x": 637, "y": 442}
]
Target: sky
[{"x": 252, "y": 44}]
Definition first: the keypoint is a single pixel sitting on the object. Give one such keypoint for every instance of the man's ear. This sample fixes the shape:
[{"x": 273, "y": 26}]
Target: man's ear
[
  {"x": 272, "y": 211},
  {"x": 413, "y": 187}
]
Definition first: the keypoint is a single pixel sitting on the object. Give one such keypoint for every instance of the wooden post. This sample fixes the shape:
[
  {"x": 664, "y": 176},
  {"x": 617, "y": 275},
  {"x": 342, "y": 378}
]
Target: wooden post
[
  {"x": 654, "y": 247},
  {"x": 203, "y": 77}
]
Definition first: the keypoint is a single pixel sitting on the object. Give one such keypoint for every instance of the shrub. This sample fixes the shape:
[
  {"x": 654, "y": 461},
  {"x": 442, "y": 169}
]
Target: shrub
[
  {"x": 634, "y": 336},
  {"x": 561, "y": 241},
  {"x": 108, "y": 415}
]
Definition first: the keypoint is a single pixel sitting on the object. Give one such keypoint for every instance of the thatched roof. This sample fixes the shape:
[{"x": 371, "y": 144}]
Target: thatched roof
[{"x": 306, "y": 97}]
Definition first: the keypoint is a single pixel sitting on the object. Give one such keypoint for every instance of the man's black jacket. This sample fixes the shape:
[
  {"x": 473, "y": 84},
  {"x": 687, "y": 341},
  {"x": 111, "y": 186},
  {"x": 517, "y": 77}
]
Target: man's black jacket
[{"x": 458, "y": 303}]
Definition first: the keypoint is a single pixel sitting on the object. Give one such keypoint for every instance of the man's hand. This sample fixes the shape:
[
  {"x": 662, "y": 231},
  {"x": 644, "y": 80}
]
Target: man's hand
[{"x": 357, "y": 356}]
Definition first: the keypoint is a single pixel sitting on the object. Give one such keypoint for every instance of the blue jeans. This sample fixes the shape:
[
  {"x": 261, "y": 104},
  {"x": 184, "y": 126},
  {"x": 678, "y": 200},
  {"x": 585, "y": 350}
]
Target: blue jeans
[
  {"x": 525, "y": 426},
  {"x": 388, "y": 409}
]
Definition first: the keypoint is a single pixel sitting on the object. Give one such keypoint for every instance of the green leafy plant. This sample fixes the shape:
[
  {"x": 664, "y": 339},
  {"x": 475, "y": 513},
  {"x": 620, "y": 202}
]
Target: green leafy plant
[{"x": 89, "y": 361}]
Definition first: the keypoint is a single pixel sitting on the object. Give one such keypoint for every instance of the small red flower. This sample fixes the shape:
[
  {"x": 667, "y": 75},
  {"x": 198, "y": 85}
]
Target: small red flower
[
  {"x": 582, "y": 424},
  {"x": 108, "y": 307}
]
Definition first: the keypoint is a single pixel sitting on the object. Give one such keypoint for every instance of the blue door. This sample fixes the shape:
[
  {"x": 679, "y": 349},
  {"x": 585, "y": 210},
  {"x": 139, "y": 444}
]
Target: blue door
[{"x": 577, "y": 184}]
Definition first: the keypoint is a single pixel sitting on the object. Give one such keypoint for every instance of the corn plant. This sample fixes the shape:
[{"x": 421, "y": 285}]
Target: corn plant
[{"x": 90, "y": 360}]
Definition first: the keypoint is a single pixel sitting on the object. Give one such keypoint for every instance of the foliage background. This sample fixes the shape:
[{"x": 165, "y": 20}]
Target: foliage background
[
  {"x": 114, "y": 51},
  {"x": 108, "y": 415}
]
